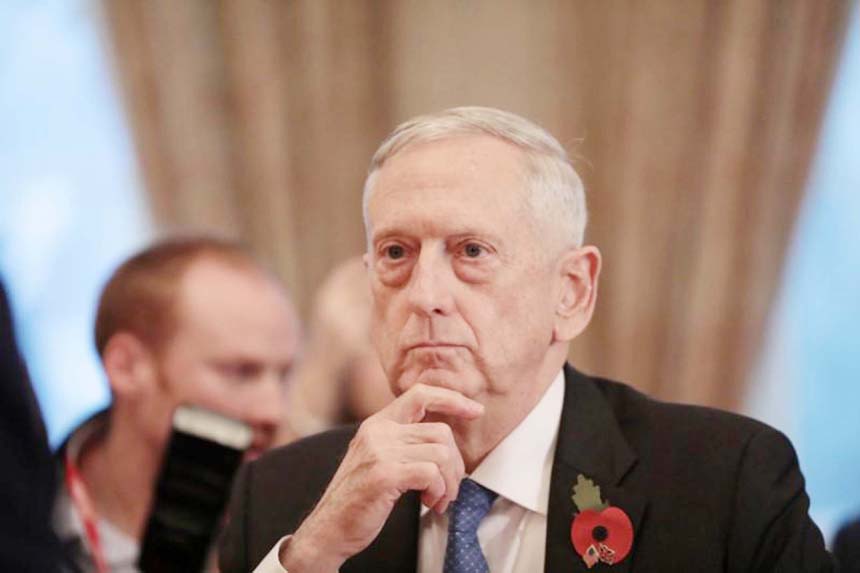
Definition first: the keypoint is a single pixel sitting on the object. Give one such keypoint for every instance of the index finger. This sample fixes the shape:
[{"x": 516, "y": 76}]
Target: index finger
[{"x": 420, "y": 400}]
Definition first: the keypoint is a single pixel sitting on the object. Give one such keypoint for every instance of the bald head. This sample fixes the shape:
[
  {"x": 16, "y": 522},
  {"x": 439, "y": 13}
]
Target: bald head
[
  {"x": 141, "y": 296},
  {"x": 236, "y": 306}
]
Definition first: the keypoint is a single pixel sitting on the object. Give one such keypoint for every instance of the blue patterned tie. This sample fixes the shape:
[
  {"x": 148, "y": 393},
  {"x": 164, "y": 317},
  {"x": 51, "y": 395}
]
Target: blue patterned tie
[{"x": 463, "y": 553}]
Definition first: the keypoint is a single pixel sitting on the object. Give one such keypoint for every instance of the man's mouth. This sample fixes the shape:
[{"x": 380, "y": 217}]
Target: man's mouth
[{"x": 432, "y": 346}]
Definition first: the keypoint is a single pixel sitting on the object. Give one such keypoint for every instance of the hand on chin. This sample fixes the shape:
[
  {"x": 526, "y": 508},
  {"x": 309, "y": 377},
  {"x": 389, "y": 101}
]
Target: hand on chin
[{"x": 464, "y": 382}]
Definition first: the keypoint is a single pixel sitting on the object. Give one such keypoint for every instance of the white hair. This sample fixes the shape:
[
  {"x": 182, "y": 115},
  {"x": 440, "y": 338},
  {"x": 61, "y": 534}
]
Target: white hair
[{"x": 556, "y": 192}]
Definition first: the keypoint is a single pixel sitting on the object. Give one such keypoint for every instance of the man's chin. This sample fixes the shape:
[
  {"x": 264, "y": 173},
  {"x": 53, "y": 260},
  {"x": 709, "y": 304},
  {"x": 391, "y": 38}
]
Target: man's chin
[{"x": 441, "y": 378}]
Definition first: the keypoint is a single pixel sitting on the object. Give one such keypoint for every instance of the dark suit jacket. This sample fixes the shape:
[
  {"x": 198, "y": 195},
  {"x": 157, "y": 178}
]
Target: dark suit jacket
[
  {"x": 706, "y": 491},
  {"x": 26, "y": 470},
  {"x": 846, "y": 548}
]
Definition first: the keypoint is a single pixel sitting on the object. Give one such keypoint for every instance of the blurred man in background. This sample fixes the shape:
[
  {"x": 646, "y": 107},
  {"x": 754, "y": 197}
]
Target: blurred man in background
[{"x": 189, "y": 321}]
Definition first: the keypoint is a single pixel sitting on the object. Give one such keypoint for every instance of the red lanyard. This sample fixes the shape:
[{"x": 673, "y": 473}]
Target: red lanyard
[{"x": 86, "y": 511}]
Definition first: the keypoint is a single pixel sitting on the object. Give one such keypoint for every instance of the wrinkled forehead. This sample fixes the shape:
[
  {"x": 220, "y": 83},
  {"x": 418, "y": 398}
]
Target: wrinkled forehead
[{"x": 468, "y": 170}]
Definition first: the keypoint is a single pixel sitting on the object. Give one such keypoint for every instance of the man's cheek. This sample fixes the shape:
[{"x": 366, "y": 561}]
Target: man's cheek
[{"x": 392, "y": 365}]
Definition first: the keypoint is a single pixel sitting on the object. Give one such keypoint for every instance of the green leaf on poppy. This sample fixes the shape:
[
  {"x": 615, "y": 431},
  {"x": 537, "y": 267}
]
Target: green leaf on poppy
[{"x": 586, "y": 495}]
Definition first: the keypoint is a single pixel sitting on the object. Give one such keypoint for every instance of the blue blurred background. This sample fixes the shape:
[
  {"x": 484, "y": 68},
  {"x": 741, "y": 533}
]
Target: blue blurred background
[{"x": 70, "y": 200}]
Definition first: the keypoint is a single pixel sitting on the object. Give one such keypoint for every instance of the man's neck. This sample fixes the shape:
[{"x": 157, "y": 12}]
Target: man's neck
[
  {"x": 119, "y": 470},
  {"x": 476, "y": 439}
]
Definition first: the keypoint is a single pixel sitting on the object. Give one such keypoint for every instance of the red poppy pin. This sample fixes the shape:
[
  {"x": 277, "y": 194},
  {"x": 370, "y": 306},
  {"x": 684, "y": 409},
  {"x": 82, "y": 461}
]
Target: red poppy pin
[{"x": 600, "y": 532}]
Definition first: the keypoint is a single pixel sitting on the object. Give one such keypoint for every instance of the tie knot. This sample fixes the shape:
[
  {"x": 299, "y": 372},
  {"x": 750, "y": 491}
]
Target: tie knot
[{"x": 472, "y": 504}]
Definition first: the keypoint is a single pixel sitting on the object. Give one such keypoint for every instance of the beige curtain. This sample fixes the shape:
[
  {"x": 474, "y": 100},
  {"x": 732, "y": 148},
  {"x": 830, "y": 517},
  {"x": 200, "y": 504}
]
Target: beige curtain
[{"x": 695, "y": 122}]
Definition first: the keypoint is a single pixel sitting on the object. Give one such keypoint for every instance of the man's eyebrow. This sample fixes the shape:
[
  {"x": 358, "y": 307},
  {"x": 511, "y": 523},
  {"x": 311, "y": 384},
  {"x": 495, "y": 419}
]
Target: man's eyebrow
[
  {"x": 454, "y": 236},
  {"x": 475, "y": 234},
  {"x": 387, "y": 233}
]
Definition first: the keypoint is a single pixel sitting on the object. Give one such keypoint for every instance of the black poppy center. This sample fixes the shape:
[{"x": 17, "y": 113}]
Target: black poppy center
[{"x": 599, "y": 533}]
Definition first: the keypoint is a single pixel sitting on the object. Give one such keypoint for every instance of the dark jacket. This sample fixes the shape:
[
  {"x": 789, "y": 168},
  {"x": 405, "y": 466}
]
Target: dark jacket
[
  {"x": 26, "y": 470},
  {"x": 705, "y": 490},
  {"x": 846, "y": 548}
]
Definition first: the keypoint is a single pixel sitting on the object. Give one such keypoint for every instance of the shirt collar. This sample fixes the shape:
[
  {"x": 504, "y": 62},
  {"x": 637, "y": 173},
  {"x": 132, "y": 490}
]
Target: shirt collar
[
  {"x": 519, "y": 468},
  {"x": 120, "y": 549},
  {"x": 86, "y": 433}
]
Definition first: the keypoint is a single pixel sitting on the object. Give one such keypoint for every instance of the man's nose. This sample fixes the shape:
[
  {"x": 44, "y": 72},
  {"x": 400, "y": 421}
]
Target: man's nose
[
  {"x": 429, "y": 288},
  {"x": 267, "y": 410}
]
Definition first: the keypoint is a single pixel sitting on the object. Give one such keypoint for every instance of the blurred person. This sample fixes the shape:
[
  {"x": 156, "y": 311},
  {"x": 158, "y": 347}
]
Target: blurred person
[
  {"x": 339, "y": 379},
  {"x": 27, "y": 481},
  {"x": 496, "y": 454},
  {"x": 187, "y": 321}
]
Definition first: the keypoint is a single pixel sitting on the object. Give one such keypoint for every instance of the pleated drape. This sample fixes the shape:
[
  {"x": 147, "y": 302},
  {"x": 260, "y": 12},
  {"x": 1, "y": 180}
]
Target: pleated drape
[{"x": 693, "y": 122}]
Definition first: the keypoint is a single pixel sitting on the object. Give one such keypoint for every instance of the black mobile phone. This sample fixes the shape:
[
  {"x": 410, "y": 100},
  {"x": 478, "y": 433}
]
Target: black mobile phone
[{"x": 204, "y": 451}]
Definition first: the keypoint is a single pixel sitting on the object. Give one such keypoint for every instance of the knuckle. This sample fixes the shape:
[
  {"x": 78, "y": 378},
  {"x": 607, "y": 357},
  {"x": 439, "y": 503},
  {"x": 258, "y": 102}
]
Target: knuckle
[
  {"x": 429, "y": 471},
  {"x": 369, "y": 441},
  {"x": 440, "y": 453},
  {"x": 373, "y": 430},
  {"x": 364, "y": 429},
  {"x": 382, "y": 474},
  {"x": 376, "y": 451},
  {"x": 440, "y": 432},
  {"x": 422, "y": 391},
  {"x": 453, "y": 457}
]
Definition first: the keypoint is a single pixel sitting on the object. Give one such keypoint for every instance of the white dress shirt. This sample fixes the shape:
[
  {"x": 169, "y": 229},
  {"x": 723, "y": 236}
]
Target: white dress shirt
[{"x": 513, "y": 534}]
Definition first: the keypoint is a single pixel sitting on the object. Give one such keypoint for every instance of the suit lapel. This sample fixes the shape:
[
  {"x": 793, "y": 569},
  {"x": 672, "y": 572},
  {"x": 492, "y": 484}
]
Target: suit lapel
[
  {"x": 589, "y": 443},
  {"x": 395, "y": 549}
]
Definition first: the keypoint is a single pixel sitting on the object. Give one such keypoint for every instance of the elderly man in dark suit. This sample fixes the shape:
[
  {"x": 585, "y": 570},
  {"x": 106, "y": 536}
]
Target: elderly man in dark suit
[{"x": 496, "y": 455}]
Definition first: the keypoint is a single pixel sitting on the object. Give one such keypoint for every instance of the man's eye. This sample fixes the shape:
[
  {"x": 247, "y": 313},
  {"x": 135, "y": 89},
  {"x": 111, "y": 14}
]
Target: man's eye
[
  {"x": 395, "y": 252},
  {"x": 473, "y": 250},
  {"x": 239, "y": 371}
]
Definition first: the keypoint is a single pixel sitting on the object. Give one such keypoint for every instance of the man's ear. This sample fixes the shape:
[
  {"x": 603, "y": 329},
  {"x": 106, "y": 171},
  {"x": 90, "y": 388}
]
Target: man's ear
[
  {"x": 578, "y": 272},
  {"x": 129, "y": 365}
]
